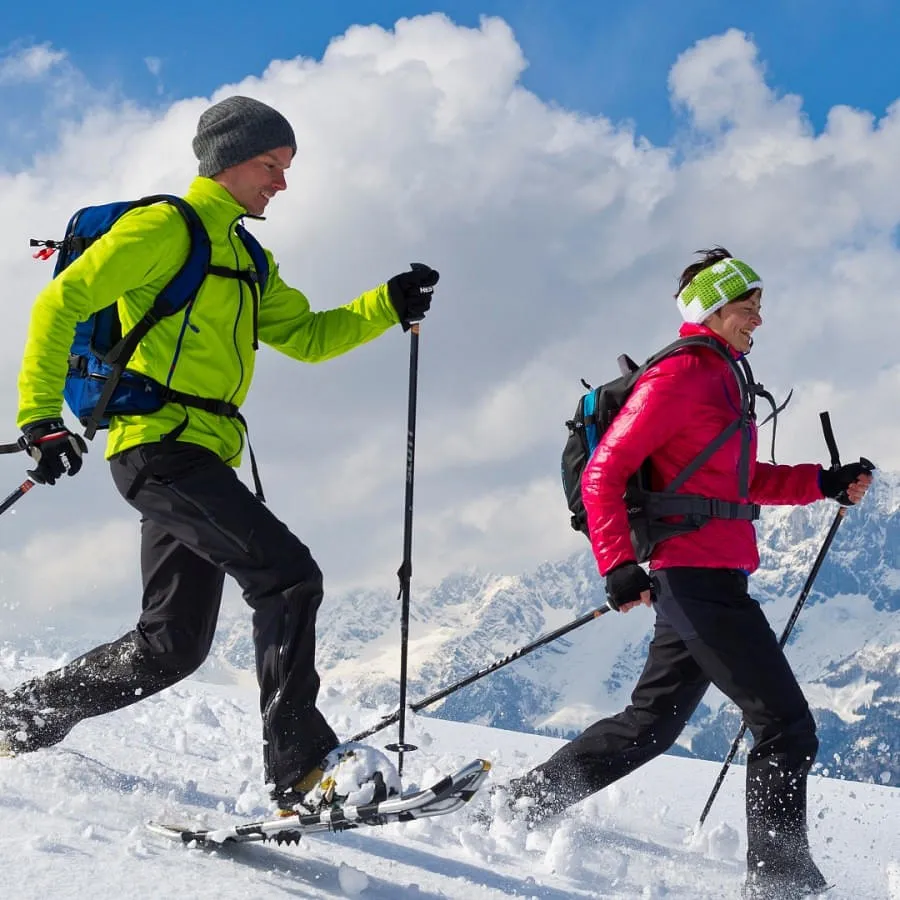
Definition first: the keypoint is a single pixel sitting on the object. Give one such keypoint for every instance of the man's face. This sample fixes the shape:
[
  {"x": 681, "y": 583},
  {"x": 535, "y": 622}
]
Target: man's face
[
  {"x": 255, "y": 182},
  {"x": 736, "y": 321}
]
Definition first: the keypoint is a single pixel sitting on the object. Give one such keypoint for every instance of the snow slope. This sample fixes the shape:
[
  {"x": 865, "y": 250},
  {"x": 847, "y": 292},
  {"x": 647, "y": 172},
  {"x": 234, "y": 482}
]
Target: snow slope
[{"x": 71, "y": 818}]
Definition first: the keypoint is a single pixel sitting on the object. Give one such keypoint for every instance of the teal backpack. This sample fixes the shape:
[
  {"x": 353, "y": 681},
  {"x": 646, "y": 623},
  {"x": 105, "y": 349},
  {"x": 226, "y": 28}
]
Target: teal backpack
[{"x": 654, "y": 516}]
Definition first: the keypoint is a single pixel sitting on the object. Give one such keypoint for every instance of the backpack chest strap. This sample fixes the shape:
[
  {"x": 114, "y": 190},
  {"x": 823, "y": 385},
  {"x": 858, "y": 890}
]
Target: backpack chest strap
[
  {"x": 251, "y": 278},
  {"x": 216, "y": 407},
  {"x": 659, "y": 504}
]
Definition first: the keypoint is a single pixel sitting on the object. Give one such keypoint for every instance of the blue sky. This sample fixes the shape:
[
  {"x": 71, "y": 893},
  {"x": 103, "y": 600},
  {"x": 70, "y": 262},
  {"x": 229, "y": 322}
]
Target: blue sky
[{"x": 596, "y": 56}]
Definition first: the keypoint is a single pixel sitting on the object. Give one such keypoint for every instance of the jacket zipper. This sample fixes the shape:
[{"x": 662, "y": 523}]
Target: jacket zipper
[
  {"x": 186, "y": 323},
  {"x": 240, "y": 309}
]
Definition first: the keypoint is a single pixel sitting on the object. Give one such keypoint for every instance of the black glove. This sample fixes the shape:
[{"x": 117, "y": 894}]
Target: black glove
[
  {"x": 411, "y": 292},
  {"x": 54, "y": 449},
  {"x": 834, "y": 482},
  {"x": 625, "y": 584}
]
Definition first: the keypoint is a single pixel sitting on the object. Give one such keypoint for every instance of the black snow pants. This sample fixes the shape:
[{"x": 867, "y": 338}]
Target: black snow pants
[
  {"x": 199, "y": 523},
  {"x": 708, "y": 630}
]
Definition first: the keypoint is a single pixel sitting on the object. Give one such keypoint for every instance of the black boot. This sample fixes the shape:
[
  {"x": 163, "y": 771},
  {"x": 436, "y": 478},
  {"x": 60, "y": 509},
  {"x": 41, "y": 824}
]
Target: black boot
[
  {"x": 805, "y": 881},
  {"x": 26, "y": 724},
  {"x": 535, "y": 798},
  {"x": 779, "y": 863},
  {"x": 41, "y": 712}
]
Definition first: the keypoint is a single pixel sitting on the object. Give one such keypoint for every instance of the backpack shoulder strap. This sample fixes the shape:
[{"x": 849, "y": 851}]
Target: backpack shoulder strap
[
  {"x": 184, "y": 284},
  {"x": 746, "y": 387},
  {"x": 181, "y": 288},
  {"x": 257, "y": 254},
  {"x": 755, "y": 389},
  {"x": 175, "y": 296}
]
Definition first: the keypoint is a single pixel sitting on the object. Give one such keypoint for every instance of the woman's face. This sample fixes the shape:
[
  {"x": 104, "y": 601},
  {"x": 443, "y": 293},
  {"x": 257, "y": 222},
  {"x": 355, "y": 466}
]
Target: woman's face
[{"x": 736, "y": 321}]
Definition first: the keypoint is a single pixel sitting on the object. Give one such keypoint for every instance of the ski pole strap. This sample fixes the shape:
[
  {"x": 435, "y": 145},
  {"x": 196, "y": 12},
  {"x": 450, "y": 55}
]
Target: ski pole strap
[{"x": 827, "y": 430}]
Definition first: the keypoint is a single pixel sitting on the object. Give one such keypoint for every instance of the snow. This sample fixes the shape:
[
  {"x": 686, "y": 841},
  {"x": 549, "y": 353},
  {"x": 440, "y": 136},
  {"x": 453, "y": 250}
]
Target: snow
[
  {"x": 72, "y": 818},
  {"x": 846, "y": 701},
  {"x": 352, "y": 881},
  {"x": 348, "y": 774}
]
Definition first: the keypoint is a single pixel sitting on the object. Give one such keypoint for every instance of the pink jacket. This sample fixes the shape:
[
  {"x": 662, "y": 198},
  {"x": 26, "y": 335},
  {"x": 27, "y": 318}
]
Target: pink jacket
[{"x": 675, "y": 410}]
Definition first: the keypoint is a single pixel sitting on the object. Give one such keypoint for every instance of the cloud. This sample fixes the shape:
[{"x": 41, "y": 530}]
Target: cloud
[
  {"x": 720, "y": 82},
  {"x": 154, "y": 66},
  {"x": 43, "y": 95},
  {"x": 69, "y": 573},
  {"x": 559, "y": 237},
  {"x": 29, "y": 63}
]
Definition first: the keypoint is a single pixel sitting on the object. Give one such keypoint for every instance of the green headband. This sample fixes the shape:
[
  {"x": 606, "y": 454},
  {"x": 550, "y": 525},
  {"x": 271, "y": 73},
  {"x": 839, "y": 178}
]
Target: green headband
[{"x": 711, "y": 288}]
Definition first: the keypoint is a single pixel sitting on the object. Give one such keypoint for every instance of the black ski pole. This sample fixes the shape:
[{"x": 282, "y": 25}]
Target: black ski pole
[
  {"x": 23, "y": 488},
  {"x": 405, "y": 571},
  {"x": 16, "y": 495},
  {"x": 469, "y": 679},
  {"x": 804, "y": 593}
]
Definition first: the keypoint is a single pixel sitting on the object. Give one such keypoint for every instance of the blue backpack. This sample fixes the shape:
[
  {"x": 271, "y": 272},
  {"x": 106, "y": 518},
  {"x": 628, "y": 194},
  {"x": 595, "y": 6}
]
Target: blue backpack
[{"x": 98, "y": 384}]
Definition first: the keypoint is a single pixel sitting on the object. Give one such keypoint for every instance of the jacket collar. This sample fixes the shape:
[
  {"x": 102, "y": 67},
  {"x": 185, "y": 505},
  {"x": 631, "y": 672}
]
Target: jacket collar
[
  {"x": 690, "y": 329},
  {"x": 214, "y": 202}
]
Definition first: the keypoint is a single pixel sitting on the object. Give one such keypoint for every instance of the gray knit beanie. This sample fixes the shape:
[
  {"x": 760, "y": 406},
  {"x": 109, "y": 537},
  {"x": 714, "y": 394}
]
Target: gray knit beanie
[{"x": 237, "y": 129}]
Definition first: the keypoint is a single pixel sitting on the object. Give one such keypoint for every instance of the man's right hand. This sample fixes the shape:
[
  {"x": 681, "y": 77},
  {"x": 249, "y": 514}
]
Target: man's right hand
[
  {"x": 627, "y": 586},
  {"x": 411, "y": 293},
  {"x": 54, "y": 449}
]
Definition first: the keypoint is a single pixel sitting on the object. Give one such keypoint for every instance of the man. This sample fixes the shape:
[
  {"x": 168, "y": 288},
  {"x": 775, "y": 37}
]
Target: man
[
  {"x": 176, "y": 466},
  {"x": 708, "y": 629}
]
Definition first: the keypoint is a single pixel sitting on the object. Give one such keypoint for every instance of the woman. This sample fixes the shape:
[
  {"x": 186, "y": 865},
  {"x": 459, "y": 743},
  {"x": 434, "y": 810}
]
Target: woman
[{"x": 708, "y": 629}]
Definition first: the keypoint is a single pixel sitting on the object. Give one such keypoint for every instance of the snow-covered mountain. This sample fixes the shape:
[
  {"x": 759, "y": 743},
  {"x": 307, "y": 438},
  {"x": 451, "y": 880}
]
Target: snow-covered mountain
[{"x": 845, "y": 646}]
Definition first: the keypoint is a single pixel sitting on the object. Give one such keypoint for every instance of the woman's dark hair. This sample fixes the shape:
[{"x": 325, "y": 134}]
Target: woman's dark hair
[{"x": 710, "y": 258}]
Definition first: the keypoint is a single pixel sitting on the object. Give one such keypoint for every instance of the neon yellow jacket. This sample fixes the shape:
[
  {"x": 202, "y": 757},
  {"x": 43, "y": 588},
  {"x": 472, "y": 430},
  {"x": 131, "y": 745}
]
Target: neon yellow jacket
[{"x": 209, "y": 345}]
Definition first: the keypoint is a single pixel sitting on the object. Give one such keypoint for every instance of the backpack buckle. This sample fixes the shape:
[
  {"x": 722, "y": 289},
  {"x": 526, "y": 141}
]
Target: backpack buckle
[{"x": 78, "y": 365}]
